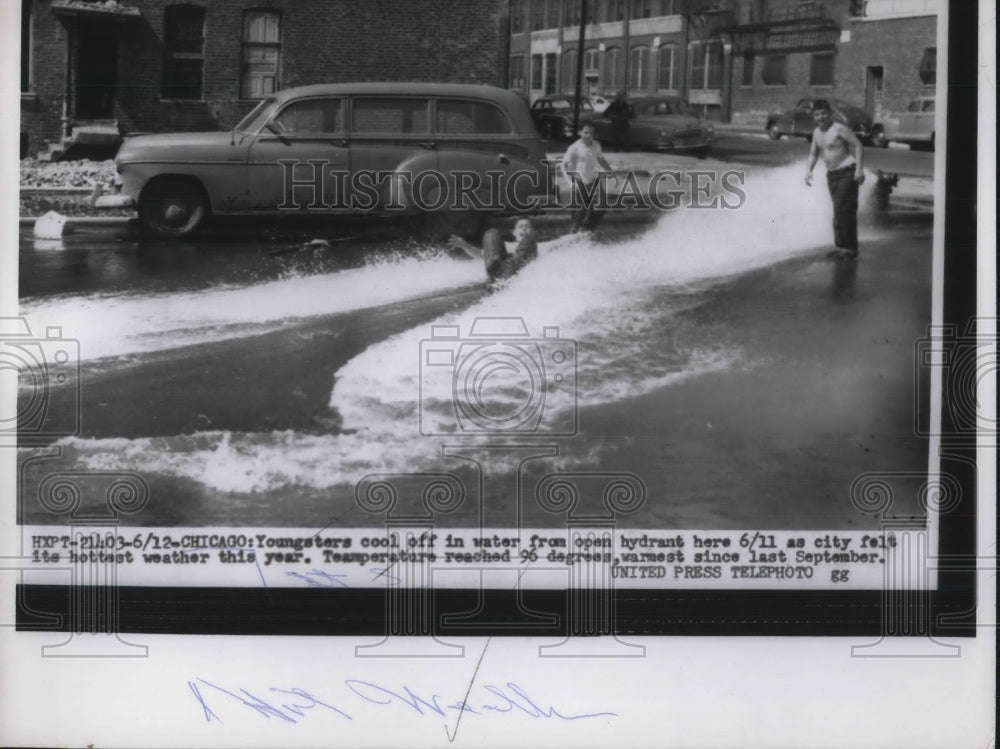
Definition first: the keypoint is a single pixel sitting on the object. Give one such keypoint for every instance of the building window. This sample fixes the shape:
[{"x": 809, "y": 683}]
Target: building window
[
  {"x": 642, "y": 8},
  {"x": 748, "y": 64},
  {"x": 518, "y": 80},
  {"x": 184, "y": 51},
  {"x": 552, "y": 14},
  {"x": 572, "y": 13},
  {"x": 821, "y": 69},
  {"x": 536, "y": 72},
  {"x": 550, "y": 73},
  {"x": 569, "y": 69},
  {"x": 616, "y": 10},
  {"x": 26, "y": 44},
  {"x": 667, "y": 75},
  {"x": 612, "y": 68},
  {"x": 669, "y": 7},
  {"x": 538, "y": 15},
  {"x": 592, "y": 61},
  {"x": 261, "y": 53},
  {"x": 928, "y": 66},
  {"x": 706, "y": 66},
  {"x": 638, "y": 77},
  {"x": 775, "y": 70},
  {"x": 516, "y": 16}
]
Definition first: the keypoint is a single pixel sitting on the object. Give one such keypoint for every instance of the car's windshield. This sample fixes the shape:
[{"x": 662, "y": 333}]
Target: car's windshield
[{"x": 257, "y": 117}]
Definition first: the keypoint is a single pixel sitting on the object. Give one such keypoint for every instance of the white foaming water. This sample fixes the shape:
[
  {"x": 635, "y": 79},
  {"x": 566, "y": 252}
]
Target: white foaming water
[
  {"x": 619, "y": 304},
  {"x": 109, "y": 326}
]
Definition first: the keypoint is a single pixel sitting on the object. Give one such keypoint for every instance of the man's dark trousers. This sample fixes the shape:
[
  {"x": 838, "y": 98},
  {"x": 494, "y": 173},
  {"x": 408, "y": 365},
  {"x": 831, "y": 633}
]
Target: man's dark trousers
[{"x": 844, "y": 192}]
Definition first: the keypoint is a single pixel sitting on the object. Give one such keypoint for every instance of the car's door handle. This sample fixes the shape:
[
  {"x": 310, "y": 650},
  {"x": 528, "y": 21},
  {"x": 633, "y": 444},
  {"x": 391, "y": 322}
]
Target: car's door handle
[
  {"x": 342, "y": 143},
  {"x": 429, "y": 145},
  {"x": 502, "y": 158}
]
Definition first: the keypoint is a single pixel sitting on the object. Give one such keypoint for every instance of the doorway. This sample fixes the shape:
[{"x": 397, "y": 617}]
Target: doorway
[
  {"x": 875, "y": 77},
  {"x": 96, "y": 71}
]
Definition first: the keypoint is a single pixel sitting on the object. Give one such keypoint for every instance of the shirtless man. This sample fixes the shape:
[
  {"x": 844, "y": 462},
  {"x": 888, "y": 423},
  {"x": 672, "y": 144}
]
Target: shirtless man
[
  {"x": 843, "y": 155},
  {"x": 503, "y": 259}
]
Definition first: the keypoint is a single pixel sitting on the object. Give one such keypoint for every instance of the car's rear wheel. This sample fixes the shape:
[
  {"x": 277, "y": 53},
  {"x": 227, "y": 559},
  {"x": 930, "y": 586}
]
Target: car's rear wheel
[
  {"x": 173, "y": 208},
  {"x": 878, "y": 138},
  {"x": 555, "y": 131},
  {"x": 700, "y": 152},
  {"x": 774, "y": 131}
]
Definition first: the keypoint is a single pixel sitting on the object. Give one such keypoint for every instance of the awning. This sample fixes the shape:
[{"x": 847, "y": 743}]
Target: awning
[{"x": 104, "y": 9}]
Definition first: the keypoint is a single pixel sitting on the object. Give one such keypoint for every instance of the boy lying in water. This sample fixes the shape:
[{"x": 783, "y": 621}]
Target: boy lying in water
[{"x": 503, "y": 259}]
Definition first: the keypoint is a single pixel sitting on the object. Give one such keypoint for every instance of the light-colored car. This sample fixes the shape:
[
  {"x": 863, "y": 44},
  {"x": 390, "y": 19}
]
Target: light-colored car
[
  {"x": 799, "y": 121},
  {"x": 599, "y": 103},
  {"x": 915, "y": 126},
  {"x": 336, "y": 149},
  {"x": 662, "y": 123}
]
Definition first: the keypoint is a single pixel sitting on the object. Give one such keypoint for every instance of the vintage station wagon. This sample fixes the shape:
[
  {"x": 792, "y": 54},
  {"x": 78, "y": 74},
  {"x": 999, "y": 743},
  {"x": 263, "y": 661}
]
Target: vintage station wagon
[
  {"x": 453, "y": 150},
  {"x": 915, "y": 126}
]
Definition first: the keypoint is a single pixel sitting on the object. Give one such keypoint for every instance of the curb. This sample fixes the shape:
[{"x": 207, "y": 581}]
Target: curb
[{"x": 83, "y": 220}]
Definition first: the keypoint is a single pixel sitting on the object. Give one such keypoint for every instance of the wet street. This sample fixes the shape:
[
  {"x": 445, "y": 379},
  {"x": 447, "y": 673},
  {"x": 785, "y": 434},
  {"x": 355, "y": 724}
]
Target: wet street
[{"x": 254, "y": 373}]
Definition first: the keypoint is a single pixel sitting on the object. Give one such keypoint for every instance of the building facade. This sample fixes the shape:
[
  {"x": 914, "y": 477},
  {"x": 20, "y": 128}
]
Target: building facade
[
  {"x": 734, "y": 60},
  {"x": 91, "y": 69},
  {"x": 876, "y": 54}
]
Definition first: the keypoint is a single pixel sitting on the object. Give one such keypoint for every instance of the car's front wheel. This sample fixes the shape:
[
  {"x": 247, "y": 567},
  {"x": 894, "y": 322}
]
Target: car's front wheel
[
  {"x": 878, "y": 138},
  {"x": 173, "y": 208},
  {"x": 774, "y": 131}
]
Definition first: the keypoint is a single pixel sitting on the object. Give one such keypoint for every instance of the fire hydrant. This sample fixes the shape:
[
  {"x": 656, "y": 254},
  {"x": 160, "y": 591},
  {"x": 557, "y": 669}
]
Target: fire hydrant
[{"x": 883, "y": 189}]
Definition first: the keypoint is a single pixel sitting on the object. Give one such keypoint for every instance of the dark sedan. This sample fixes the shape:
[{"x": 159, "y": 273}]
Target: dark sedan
[
  {"x": 553, "y": 115},
  {"x": 798, "y": 121},
  {"x": 662, "y": 123}
]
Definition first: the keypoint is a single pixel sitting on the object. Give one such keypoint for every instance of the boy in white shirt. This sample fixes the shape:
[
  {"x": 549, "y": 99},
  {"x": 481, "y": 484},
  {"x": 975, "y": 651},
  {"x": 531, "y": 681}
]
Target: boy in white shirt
[{"x": 580, "y": 167}]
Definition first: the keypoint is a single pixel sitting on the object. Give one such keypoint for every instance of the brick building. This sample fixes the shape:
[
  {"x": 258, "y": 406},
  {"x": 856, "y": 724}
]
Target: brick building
[
  {"x": 93, "y": 68},
  {"x": 732, "y": 59},
  {"x": 878, "y": 54}
]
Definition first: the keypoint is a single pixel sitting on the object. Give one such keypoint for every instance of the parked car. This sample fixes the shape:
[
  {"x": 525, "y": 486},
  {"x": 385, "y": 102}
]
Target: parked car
[
  {"x": 553, "y": 115},
  {"x": 915, "y": 126},
  {"x": 599, "y": 103},
  {"x": 799, "y": 120},
  {"x": 334, "y": 149},
  {"x": 663, "y": 123}
]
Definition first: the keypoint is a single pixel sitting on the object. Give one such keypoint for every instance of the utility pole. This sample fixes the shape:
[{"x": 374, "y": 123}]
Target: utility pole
[{"x": 579, "y": 67}]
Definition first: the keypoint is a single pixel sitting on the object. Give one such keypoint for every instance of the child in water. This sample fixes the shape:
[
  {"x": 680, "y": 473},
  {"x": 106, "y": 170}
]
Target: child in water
[{"x": 503, "y": 259}]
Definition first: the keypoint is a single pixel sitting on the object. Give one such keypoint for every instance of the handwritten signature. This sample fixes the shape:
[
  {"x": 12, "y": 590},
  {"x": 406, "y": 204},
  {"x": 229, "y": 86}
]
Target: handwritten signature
[{"x": 294, "y": 704}]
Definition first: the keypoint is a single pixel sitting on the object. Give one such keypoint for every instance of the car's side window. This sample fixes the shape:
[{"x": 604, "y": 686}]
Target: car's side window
[
  {"x": 929, "y": 105},
  {"x": 456, "y": 116},
  {"x": 392, "y": 116},
  {"x": 311, "y": 116},
  {"x": 914, "y": 106}
]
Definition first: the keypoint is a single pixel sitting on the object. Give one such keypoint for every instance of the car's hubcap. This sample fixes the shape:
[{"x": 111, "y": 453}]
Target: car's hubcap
[{"x": 175, "y": 214}]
